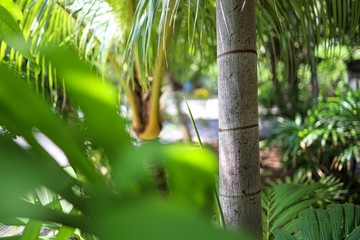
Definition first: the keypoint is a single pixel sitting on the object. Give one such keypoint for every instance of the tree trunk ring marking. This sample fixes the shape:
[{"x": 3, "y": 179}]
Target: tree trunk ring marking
[
  {"x": 238, "y": 128},
  {"x": 243, "y": 194},
  {"x": 237, "y": 51}
]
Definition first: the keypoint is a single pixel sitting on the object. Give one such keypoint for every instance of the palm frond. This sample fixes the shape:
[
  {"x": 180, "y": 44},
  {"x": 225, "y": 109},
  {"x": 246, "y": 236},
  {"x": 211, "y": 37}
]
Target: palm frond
[
  {"x": 192, "y": 30},
  {"x": 284, "y": 200},
  {"x": 124, "y": 198},
  {"x": 291, "y": 32},
  {"x": 11, "y": 32},
  {"x": 337, "y": 221},
  {"x": 89, "y": 26},
  {"x": 302, "y": 27}
]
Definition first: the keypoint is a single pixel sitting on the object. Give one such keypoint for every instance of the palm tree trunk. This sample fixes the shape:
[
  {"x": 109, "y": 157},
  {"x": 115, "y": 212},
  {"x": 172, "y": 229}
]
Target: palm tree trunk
[
  {"x": 148, "y": 104},
  {"x": 314, "y": 79},
  {"x": 240, "y": 193}
]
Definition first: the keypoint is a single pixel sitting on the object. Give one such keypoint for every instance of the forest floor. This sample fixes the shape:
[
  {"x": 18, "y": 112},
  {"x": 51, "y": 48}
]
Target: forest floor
[{"x": 270, "y": 165}]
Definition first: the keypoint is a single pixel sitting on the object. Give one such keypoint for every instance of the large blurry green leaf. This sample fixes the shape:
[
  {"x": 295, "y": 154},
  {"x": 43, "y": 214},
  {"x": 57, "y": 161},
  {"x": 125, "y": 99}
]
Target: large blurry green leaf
[
  {"x": 32, "y": 230},
  {"x": 191, "y": 174},
  {"x": 97, "y": 99},
  {"x": 18, "y": 171},
  {"x": 11, "y": 33},
  {"x": 155, "y": 220},
  {"x": 109, "y": 210},
  {"x": 24, "y": 170},
  {"x": 65, "y": 233},
  {"x": 25, "y": 111},
  {"x": 13, "y": 9}
]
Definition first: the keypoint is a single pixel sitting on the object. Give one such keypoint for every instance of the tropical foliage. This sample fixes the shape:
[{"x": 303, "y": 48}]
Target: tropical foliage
[
  {"x": 160, "y": 35},
  {"x": 335, "y": 222},
  {"x": 327, "y": 139},
  {"x": 107, "y": 190},
  {"x": 282, "y": 201},
  {"x": 299, "y": 34},
  {"x": 108, "y": 198}
]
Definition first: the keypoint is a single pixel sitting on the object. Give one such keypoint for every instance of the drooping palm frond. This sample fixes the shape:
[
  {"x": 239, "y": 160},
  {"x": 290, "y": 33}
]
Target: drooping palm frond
[
  {"x": 197, "y": 48},
  {"x": 10, "y": 32},
  {"x": 282, "y": 201},
  {"x": 191, "y": 25},
  {"x": 293, "y": 31},
  {"x": 96, "y": 32},
  {"x": 89, "y": 26}
]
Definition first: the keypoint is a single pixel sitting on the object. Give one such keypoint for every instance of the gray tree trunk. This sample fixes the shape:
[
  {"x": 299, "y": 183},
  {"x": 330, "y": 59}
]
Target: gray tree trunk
[
  {"x": 240, "y": 193},
  {"x": 314, "y": 79}
]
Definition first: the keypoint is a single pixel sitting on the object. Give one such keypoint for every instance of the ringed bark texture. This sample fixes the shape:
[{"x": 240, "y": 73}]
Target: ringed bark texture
[{"x": 239, "y": 167}]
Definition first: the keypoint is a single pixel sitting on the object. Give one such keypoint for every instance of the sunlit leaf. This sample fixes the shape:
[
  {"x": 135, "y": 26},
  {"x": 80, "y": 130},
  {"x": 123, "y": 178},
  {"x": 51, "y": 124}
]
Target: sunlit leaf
[
  {"x": 11, "y": 33},
  {"x": 13, "y": 9},
  {"x": 32, "y": 230}
]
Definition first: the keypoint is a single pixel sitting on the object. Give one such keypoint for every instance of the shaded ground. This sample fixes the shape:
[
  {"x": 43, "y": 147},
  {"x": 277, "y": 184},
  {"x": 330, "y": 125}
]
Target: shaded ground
[{"x": 271, "y": 167}]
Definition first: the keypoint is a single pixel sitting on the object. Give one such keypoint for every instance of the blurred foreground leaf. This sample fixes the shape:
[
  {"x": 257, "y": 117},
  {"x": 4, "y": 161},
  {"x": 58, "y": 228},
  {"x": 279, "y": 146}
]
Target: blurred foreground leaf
[
  {"x": 115, "y": 200},
  {"x": 11, "y": 33}
]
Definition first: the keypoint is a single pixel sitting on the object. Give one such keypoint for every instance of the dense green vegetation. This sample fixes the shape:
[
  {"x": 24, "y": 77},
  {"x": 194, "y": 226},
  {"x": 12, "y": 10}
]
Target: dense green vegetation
[
  {"x": 61, "y": 80},
  {"x": 106, "y": 190},
  {"x": 327, "y": 139}
]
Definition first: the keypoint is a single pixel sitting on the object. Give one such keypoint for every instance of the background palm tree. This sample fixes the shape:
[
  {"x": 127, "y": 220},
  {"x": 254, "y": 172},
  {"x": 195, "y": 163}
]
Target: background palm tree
[
  {"x": 294, "y": 33},
  {"x": 289, "y": 33},
  {"x": 100, "y": 31}
]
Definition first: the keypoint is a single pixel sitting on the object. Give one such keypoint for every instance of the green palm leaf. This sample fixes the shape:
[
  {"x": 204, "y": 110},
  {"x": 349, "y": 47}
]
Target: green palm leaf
[
  {"x": 325, "y": 228},
  {"x": 354, "y": 234},
  {"x": 335, "y": 222},
  {"x": 124, "y": 198},
  {"x": 308, "y": 224},
  {"x": 87, "y": 25},
  {"x": 10, "y": 31},
  {"x": 282, "y": 202}
]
